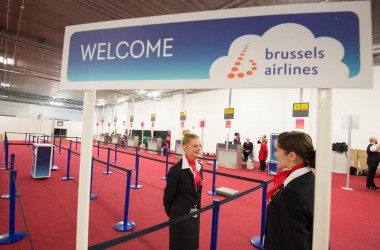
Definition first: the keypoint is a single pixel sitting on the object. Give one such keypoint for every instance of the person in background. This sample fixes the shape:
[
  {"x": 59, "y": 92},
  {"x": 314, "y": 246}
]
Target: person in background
[
  {"x": 373, "y": 160},
  {"x": 263, "y": 154},
  {"x": 236, "y": 138},
  {"x": 247, "y": 149},
  {"x": 261, "y": 138},
  {"x": 290, "y": 211},
  {"x": 182, "y": 195}
]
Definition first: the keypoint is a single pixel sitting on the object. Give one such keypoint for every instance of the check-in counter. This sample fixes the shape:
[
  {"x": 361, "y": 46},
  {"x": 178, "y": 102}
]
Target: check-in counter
[
  {"x": 154, "y": 146},
  {"x": 133, "y": 141},
  {"x": 230, "y": 157},
  {"x": 104, "y": 138}
]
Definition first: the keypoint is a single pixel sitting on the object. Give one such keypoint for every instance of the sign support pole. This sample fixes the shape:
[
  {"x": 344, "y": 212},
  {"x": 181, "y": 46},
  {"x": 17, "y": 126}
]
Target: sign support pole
[
  {"x": 322, "y": 204},
  {"x": 85, "y": 170}
]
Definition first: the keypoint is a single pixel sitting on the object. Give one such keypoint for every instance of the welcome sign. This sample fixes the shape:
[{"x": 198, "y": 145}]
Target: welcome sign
[{"x": 308, "y": 46}]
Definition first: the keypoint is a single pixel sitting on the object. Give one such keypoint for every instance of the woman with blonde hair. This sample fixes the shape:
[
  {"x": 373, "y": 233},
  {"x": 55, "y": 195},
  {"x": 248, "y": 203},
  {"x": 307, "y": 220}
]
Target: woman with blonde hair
[{"x": 182, "y": 195}]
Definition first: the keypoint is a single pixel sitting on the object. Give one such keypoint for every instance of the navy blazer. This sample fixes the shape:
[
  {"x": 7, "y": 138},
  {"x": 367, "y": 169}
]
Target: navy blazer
[
  {"x": 289, "y": 224},
  {"x": 179, "y": 198}
]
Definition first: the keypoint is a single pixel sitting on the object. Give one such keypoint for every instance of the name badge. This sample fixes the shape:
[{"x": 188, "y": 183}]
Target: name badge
[{"x": 194, "y": 210}]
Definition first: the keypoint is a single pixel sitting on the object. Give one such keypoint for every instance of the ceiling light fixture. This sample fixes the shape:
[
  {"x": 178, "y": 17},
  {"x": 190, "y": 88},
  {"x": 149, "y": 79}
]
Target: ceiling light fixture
[
  {"x": 140, "y": 91},
  {"x": 154, "y": 93},
  {"x": 122, "y": 99},
  {"x": 5, "y": 61},
  {"x": 56, "y": 103},
  {"x": 5, "y": 85}
]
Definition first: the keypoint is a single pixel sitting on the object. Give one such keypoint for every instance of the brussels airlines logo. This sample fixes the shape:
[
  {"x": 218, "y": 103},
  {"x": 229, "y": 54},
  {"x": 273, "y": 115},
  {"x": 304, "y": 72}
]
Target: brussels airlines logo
[
  {"x": 241, "y": 67},
  {"x": 285, "y": 51}
]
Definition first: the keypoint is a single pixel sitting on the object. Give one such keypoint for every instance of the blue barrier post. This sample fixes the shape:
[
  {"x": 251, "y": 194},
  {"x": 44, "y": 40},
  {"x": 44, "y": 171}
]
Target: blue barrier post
[
  {"x": 68, "y": 177},
  {"x": 33, "y": 138},
  {"x": 60, "y": 145},
  {"x": 29, "y": 139},
  {"x": 136, "y": 186},
  {"x": 108, "y": 162},
  {"x": 92, "y": 196},
  {"x": 214, "y": 225},
  {"x": 47, "y": 138},
  {"x": 98, "y": 149},
  {"x": 166, "y": 153},
  {"x": 76, "y": 143},
  {"x": 213, "y": 192},
  {"x": 44, "y": 141},
  {"x": 7, "y": 196},
  {"x": 26, "y": 135},
  {"x": 137, "y": 152},
  {"x": 6, "y": 149},
  {"x": 116, "y": 161},
  {"x": 12, "y": 236},
  {"x": 257, "y": 241},
  {"x": 70, "y": 146},
  {"x": 126, "y": 225}
]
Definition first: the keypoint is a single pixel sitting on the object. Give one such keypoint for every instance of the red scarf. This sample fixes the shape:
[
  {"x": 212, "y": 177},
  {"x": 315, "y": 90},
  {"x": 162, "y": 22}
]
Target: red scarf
[
  {"x": 280, "y": 178},
  {"x": 197, "y": 178}
]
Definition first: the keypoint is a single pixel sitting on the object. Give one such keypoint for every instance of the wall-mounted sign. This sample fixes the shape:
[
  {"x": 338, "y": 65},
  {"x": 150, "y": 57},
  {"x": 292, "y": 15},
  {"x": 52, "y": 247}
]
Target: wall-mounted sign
[
  {"x": 131, "y": 124},
  {"x": 142, "y": 124},
  {"x": 131, "y": 118},
  {"x": 228, "y": 124},
  {"x": 59, "y": 123},
  {"x": 102, "y": 120},
  {"x": 109, "y": 124},
  {"x": 115, "y": 119},
  {"x": 152, "y": 124},
  {"x": 322, "y": 46},
  {"x": 153, "y": 117},
  {"x": 301, "y": 109},
  {"x": 229, "y": 113},
  {"x": 202, "y": 124},
  {"x": 182, "y": 116},
  {"x": 300, "y": 123},
  {"x": 182, "y": 124},
  {"x": 97, "y": 124}
]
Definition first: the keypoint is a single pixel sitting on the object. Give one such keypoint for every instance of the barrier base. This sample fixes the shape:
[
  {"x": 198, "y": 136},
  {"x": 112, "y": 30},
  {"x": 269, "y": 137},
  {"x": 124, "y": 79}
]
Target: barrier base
[
  {"x": 6, "y": 196},
  {"x": 109, "y": 172},
  {"x": 67, "y": 178},
  {"x": 55, "y": 167},
  {"x": 164, "y": 177},
  {"x": 6, "y": 238},
  {"x": 256, "y": 242},
  {"x": 136, "y": 187},
  {"x": 97, "y": 156},
  {"x": 120, "y": 226},
  {"x": 115, "y": 161},
  {"x": 212, "y": 193},
  {"x": 93, "y": 196},
  {"x": 347, "y": 188}
]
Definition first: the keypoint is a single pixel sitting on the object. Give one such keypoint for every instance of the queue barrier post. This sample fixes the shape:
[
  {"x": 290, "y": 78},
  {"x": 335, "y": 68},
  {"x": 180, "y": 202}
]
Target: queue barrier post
[
  {"x": 98, "y": 156},
  {"x": 7, "y": 196},
  {"x": 214, "y": 225},
  {"x": 12, "y": 236},
  {"x": 108, "y": 162},
  {"x": 213, "y": 191},
  {"x": 68, "y": 177},
  {"x": 76, "y": 143},
  {"x": 115, "y": 161},
  {"x": 257, "y": 241},
  {"x": 136, "y": 186},
  {"x": 166, "y": 153},
  {"x": 126, "y": 225},
  {"x": 60, "y": 145},
  {"x": 92, "y": 196},
  {"x": 53, "y": 166}
]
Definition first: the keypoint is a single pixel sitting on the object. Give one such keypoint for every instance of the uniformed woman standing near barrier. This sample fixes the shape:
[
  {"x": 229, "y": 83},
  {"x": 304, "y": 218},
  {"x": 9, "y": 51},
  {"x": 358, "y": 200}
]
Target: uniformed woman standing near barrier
[
  {"x": 291, "y": 207},
  {"x": 182, "y": 195}
]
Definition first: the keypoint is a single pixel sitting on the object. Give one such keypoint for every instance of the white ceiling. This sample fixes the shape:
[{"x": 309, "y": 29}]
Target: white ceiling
[{"x": 32, "y": 32}]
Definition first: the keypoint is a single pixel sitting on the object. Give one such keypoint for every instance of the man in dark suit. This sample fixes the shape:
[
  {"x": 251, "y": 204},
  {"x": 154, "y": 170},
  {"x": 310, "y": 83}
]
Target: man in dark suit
[
  {"x": 247, "y": 149},
  {"x": 372, "y": 162}
]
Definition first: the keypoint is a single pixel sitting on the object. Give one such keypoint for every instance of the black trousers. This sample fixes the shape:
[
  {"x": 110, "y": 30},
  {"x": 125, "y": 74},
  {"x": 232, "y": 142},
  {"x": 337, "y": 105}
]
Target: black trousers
[
  {"x": 372, "y": 167},
  {"x": 262, "y": 165}
]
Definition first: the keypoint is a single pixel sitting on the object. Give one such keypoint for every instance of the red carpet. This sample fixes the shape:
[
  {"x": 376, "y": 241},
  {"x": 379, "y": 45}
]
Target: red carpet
[{"x": 50, "y": 206}]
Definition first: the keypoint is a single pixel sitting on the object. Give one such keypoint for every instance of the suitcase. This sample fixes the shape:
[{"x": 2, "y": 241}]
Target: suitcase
[{"x": 250, "y": 164}]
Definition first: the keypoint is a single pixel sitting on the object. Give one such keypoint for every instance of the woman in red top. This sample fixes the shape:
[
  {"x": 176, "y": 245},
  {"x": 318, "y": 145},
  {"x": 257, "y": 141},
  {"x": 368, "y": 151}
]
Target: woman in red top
[{"x": 263, "y": 154}]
